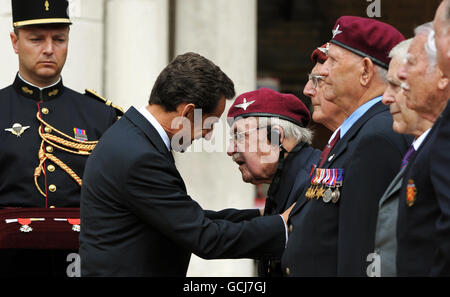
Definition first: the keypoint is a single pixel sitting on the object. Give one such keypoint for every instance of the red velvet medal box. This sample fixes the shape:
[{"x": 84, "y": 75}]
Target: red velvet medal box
[{"x": 39, "y": 228}]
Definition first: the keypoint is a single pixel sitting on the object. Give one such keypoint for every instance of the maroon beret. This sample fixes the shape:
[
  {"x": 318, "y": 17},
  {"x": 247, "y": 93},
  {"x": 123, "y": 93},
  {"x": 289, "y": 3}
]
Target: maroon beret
[
  {"x": 320, "y": 54},
  {"x": 269, "y": 103},
  {"x": 367, "y": 38}
]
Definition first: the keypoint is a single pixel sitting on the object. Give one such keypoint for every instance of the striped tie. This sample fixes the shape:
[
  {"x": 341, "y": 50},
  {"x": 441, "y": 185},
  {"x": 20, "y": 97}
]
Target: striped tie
[{"x": 407, "y": 156}]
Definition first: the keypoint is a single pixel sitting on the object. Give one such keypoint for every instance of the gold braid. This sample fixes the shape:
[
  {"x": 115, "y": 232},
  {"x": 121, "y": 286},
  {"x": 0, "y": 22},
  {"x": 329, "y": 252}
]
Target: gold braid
[{"x": 82, "y": 148}]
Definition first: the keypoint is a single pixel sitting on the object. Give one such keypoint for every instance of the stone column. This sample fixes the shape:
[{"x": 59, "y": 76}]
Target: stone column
[
  {"x": 224, "y": 31},
  {"x": 136, "y": 49}
]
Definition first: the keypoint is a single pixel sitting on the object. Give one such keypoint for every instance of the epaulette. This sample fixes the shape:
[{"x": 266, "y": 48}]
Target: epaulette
[{"x": 95, "y": 95}]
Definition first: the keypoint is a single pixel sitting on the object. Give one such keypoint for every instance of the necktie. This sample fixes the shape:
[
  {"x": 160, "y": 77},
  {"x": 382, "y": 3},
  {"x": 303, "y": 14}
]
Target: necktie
[
  {"x": 407, "y": 156},
  {"x": 326, "y": 151}
]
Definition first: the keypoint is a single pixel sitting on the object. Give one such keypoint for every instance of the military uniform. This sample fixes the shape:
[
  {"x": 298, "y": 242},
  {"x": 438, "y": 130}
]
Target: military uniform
[
  {"x": 43, "y": 162},
  {"x": 46, "y": 136}
]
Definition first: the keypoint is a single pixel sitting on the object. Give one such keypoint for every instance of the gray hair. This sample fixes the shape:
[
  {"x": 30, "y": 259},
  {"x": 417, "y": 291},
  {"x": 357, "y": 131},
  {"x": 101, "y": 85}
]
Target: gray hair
[
  {"x": 292, "y": 131},
  {"x": 382, "y": 74},
  {"x": 400, "y": 50},
  {"x": 430, "y": 45}
]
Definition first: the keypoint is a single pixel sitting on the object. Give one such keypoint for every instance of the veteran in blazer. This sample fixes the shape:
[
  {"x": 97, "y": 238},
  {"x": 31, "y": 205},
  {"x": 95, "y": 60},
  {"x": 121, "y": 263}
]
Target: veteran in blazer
[
  {"x": 137, "y": 217},
  {"x": 334, "y": 220},
  {"x": 421, "y": 221},
  {"x": 406, "y": 121},
  {"x": 271, "y": 143}
]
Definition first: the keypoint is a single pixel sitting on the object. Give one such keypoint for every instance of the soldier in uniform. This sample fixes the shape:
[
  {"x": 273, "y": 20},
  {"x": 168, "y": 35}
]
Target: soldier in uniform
[
  {"x": 272, "y": 145},
  {"x": 47, "y": 130}
]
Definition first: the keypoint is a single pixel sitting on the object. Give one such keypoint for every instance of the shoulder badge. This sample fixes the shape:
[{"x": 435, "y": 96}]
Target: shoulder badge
[{"x": 93, "y": 94}]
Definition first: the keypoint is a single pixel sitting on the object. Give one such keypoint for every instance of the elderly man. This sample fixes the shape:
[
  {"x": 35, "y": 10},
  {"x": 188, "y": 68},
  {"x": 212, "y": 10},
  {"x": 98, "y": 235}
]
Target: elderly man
[
  {"x": 440, "y": 159},
  {"x": 325, "y": 112},
  {"x": 334, "y": 222},
  {"x": 272, "y": 145},
  {"x": 406, "y": 121},
  {"x": 422, "y": 224}
]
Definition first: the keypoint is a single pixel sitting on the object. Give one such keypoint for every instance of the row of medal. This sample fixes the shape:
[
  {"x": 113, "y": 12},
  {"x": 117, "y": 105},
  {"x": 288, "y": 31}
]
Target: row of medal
[{"x": 325, "y": 184}]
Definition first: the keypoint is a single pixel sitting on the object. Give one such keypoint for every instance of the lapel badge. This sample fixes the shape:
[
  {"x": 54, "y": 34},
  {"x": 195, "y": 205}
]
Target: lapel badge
[
  {"x": 17, "y": 129},
  {"x": 411, "y": 192},
  {"x": 80, "y": 134},
  {"x": 331, "y": 157}
]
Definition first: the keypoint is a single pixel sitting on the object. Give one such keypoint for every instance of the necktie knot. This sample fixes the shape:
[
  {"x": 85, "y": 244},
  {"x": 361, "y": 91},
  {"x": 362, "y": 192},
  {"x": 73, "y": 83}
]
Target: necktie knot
[{"x": 407, "y": 156}]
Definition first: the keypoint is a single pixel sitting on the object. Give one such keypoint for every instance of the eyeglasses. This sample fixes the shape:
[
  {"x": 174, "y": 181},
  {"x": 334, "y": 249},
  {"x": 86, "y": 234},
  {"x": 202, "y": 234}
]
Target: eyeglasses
[
  {"x": 315, "y": 79},
  {"x": 240, "y": 136}
]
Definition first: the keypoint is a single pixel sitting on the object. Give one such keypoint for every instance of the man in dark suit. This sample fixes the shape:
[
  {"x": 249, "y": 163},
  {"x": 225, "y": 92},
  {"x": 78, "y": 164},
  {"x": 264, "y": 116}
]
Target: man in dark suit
[
  {"x": 440, "y": 159},
  {"x": 271, "y": 144},
  {"x": 137, "y": 218},
  {"x": 406, "y": 121},
  {"x": 334, "y": 220},
  {"x": 47, "y": 131},
  {"x": 422, "y": 245}
]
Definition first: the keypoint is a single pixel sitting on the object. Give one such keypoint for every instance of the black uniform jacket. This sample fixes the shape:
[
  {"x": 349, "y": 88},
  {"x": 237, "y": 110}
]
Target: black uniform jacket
[
  {"x": 62, "y": 109},
  {"x": 335, "y": 239},
  {"x": 138, "y": 219}
]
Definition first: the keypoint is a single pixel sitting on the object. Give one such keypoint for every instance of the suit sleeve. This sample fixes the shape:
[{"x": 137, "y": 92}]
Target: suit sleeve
[
  {"x": 372, "y": 167},
  {"x": 155, "y": 193},
  {"x": 233, "y": 215},
  {"x": 440, "y": 177}
]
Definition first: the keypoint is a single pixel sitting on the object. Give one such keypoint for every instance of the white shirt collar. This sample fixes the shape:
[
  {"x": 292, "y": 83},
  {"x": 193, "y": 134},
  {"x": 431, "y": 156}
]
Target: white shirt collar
[
  {"x": 418, "y": 141},
  {"x": 57, "y": 82},
  {"x": 156, "y": 125}
]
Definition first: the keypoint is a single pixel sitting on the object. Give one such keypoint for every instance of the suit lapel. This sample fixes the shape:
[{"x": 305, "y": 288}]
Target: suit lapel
[
  {"x": 393, "y": 187},
  {"x": 342, "y": 144},
  {"x": 152, "y": 134}
]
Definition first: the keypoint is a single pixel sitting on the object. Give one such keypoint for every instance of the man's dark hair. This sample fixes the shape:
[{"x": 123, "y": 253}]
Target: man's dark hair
[{"x": 194, "y": 79}]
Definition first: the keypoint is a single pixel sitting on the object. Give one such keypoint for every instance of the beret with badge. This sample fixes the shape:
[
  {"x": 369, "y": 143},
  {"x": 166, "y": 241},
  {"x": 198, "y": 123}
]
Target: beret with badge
[
  {"x": 266, "y": 102},
  {"x": 366, "y": 38}
]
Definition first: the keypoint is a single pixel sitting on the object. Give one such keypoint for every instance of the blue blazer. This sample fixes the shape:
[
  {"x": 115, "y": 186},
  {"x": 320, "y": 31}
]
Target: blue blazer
[{"x": 330, "y": 239}]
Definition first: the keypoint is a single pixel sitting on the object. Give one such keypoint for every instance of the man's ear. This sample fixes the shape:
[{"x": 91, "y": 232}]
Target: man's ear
[
  {"x": 443, "y": 81},
  {"x": 14, "y": 41},
  {"x": 367, "y": 72},
  {"x": 186, "y": 110}
]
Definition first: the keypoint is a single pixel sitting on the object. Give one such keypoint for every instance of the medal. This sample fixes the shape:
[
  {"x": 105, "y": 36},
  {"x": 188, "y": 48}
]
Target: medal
[
  {"x": 327, "y": 195},
  {"x": 25, "y": 223},
  {"x": 339, "y": 180},
  {"x": 335, "y": 196},
  {"x": 74, "y": 222}
]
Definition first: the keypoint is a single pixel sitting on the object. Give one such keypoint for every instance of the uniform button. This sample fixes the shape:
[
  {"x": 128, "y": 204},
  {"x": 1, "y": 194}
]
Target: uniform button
[
  {"x": 45, "y": 110},
  {"x": 52, "y": 206},
  {"x": 51, "y": 168},
  {"x": 52, "y": 188},
  {"x": 48, "y": 130},
  {"x": 288, "y": 271},
  {"x": 49, "y": 149},
  {"x": 291, "y": 228}
]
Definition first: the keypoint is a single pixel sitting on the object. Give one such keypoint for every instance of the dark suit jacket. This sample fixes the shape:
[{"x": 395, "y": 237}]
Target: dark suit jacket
[
  {"x": 138, "y": 219},
  {"x": 335, "y": 239},
  {"x": 424, "y": 228},
  {"x": 294, "y": 178}
]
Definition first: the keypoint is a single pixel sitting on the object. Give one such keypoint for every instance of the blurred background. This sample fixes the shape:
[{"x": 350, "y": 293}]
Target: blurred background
[{"x": 118, "y": 47}]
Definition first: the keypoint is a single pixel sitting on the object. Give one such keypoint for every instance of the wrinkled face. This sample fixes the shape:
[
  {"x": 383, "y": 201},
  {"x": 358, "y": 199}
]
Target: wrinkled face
[
  {"x": 341, "y": 75},
  {"x": 419, "y": 81},
  {"x": 324, "y": 110},
  {"x": 442, "y": 38},
  {"x": 405, "y": 119},
  {"x": 42, "y": 52},
  {"x": 251, "y": 150}
]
